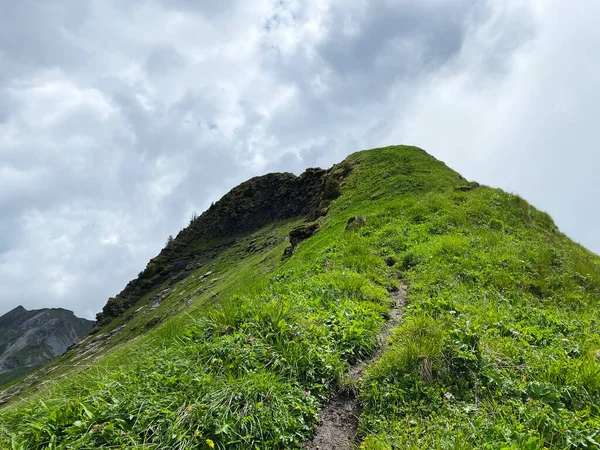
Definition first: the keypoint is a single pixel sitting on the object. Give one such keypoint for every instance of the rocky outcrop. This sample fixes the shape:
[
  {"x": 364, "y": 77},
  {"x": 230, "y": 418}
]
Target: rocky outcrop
[
  {"x": 246, "y": 208},
  {"x": 356, "y": 223},
  {"x": 300, "y": 233},
  {"x": 29, "y": 339}
]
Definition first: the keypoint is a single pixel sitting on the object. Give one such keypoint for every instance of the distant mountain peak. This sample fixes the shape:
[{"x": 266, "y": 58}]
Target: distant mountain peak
[
  {"x": 17, "y": 310},
  {"x": 30, "y": 338}
]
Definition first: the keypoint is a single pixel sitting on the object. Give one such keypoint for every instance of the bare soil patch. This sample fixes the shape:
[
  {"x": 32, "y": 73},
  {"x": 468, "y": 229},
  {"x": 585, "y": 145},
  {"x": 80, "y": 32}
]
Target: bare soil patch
[{"x": 339, "y": 419}]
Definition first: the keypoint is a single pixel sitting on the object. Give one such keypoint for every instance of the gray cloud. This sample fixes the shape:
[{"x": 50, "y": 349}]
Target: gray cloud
[
  {"x": 531, "y": 131},
  {"x": 394, "y": 39},
  {"x": 209, "y": 8},
  {"x": 163, "y": 58},
  {"x": 118, "y": 120},
  {"x": 39, "y": 34}
]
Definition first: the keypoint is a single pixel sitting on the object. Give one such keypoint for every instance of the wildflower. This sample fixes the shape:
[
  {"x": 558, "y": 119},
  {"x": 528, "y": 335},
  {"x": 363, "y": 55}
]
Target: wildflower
[
  {"x": 515, "y": 333},
  {"x": 250, "y": 338},
  {"x": 345, "y": 268},
  {"x": 268, "y": 347},
  {"x": 564, "y": 340},
  {"x": 243, "y": 413},
  {"x": 190, "y": 409},
  {"x": 452, "y": 312},
  {"x": 448, "y": 396},
  {"x": 210, "y": 443},
  {"x": 306, "y": 393}
]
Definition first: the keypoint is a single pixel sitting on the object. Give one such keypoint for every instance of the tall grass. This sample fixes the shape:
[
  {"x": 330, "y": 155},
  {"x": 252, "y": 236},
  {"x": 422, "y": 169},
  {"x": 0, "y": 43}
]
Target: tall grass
[{"x": 499, "y": 347}]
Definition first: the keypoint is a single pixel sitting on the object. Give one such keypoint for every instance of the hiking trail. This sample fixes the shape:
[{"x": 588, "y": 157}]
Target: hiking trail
[{"x": 339, "y": 419}]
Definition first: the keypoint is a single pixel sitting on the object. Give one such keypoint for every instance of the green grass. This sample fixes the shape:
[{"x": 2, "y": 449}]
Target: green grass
[
  {"x": 499, "y": 347},
  {"x": 13, "y": 376}
]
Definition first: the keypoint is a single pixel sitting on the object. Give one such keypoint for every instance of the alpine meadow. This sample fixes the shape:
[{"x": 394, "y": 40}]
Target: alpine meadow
[{"x": 433, "y": 312}]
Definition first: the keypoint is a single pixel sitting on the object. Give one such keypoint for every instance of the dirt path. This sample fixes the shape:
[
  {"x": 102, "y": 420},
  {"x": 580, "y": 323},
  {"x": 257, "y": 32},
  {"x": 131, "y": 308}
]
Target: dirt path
[{"x": 339, "y": 419}]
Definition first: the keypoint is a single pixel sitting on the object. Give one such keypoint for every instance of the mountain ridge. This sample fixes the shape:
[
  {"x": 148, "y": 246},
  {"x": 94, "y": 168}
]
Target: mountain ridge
[
  {"x": 250, "y": 205},
  {"x": 242, "y": 347}
]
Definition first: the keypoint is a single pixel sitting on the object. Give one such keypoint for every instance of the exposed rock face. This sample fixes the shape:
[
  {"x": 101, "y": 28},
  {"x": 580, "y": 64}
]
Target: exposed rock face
[
  {"x": 28, "y": 339},
  {"x": 356, "y": 223},
  {"x": 247, "y": 207},
  {"x": 300, "y": 233}
]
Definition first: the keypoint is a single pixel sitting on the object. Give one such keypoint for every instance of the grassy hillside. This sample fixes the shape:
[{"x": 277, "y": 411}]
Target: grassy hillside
[{"x": 499, "y": 345}]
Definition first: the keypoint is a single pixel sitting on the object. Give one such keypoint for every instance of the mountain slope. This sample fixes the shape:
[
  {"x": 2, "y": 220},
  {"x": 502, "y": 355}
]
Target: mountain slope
[
  {"x": 498, "y": 345},
  {"x": 29, "y": 339},
  {"x": 247, "y": 207}
]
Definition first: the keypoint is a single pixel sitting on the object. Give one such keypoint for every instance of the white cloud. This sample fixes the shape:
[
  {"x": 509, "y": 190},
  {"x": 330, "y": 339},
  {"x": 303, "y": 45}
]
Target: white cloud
[
  {"x": 532, "y": 131},
  {"x": 118, "y": 120}
]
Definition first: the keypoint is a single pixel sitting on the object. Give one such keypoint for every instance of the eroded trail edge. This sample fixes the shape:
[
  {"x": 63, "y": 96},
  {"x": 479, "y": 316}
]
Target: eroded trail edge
[{"x": 339, "y": 418}]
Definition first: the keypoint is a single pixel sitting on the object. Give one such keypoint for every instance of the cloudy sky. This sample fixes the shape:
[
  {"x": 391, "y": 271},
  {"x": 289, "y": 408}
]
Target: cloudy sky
[{"x": 119, "y": 119}]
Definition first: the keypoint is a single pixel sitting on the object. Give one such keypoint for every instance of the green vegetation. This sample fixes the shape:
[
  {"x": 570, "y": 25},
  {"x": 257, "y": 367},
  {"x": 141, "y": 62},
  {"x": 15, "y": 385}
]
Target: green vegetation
[
  {"x": 12, "y": 376},
  {"x": 500, "y": 343},
  {"x": 499, "y": 347}
]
